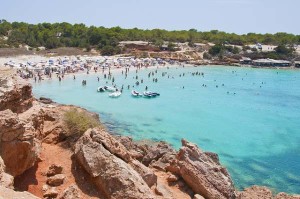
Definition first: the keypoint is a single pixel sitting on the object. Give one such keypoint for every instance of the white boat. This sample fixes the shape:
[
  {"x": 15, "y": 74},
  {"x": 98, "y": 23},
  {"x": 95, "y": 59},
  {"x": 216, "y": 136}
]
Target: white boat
[
  {"x": 135, "y": 93},
  {"x": 101, "y": 89},
  {"x": 115, "y": 94},
  {"x": 106, "y": 88},
  {"x": 111, "y": 89},
  {"x": 150, "y": 94}
]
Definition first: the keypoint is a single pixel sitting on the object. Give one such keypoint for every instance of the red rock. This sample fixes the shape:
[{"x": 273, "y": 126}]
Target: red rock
[
  {"x": 51, "y": 193},
  {"x": 163, "y": 191},
  {"x": 15, "y": 94},
  {"x": 202, "y": 173},
  {"x": 146, "y": 173},
  {"x": 56, "y": 180},
  {"x": 71, "y": 192},
  {"x": 54, "y": 170},
  {"x": 172, "y": 178},
  {"x": 256, "y": 192},
  {"x": 112, "y": 175},
  {"x": 156, "y": 151}
]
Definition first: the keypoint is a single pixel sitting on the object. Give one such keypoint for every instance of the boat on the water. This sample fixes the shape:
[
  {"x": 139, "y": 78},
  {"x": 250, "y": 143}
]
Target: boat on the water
[
  {"x": 101, "y": 88},
  {"x": 150, "y": 94},
  {"x": 115, "y": 94},
  {"x": 106, "y": 88},
  {"x": 111, "y": 89},
  {"x": 136, "y": 93}
]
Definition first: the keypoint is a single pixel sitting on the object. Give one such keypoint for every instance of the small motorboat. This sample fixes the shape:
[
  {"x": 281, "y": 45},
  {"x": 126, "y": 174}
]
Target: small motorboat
[
  {"x": 136, "y": 94},
  {"x": 150, "y": 94},
  {"x": 101, "y": 89},
  {"x": 115, "y": 94}
]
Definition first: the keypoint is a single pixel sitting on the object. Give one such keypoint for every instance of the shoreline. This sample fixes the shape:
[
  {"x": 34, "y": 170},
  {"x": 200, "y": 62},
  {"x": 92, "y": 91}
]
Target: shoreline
[{"x": 38, "y": 58}]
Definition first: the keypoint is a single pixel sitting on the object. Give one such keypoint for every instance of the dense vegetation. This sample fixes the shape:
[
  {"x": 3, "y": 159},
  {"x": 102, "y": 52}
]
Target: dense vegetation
[{"x": 107, "y": 39}]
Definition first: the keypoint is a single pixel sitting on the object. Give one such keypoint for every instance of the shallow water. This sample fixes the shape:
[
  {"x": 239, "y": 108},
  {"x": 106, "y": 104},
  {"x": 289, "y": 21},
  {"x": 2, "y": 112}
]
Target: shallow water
[{"x": 255, "y": 131}]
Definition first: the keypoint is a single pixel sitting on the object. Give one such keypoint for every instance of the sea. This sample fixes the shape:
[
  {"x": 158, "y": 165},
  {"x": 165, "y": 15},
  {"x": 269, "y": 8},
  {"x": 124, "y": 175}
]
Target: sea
[{"x": 250, "y": 117}]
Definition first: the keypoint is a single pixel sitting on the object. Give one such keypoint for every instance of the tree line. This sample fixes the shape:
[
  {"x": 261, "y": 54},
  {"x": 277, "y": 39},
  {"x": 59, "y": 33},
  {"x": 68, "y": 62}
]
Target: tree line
[{"x": 106, "y": 39}]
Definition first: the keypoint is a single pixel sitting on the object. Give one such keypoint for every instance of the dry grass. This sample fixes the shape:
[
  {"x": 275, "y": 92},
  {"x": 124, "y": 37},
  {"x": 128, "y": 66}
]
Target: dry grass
[{"x": 78, "y": 122}]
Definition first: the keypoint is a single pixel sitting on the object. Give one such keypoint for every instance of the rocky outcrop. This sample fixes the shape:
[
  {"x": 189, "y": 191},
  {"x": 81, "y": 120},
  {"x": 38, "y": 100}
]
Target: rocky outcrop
[
  {"x": 21, "y": 124},
  {"x": 257, "y": 192},
  {"x": 146, "y": 173},
  {"x": 112, "y": 175},
  {"x": 15, "y": 93},
  {"x": 156, "y": 151},
  {"x": 119, "y": 150},
  {"x": 19, "y": 147},
  {"x": 202, "y": 172},
  {"x": 6, "y": 193},
  {"x": 110, "y": 143}
]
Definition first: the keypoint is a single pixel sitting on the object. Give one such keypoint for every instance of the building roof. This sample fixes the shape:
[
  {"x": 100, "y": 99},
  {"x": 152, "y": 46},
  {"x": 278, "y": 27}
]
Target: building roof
[
  {"x": 133, "y": 42},
  {"x": 272, "y": 61}
]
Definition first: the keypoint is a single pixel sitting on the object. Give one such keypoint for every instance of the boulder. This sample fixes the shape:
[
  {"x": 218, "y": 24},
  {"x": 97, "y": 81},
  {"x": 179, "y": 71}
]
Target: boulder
[
  {"x": 116, "y": 148},
  {"x": 135, "y": 151},
  {"x": 156, "y": 151},
  {"x": 54, "y": 170},
  {"x": 111, "y": 144},
  {"x": 51, "y": 193},
  {"x": 202, "y": 173},
  {"x": 147, "y": 174},
  {"x": 71, "y": 192},
  {"x": 6, "y": 193},
  {"x": 164, "y": 162},
  {"x": 112, "y": 175},
  {"x": 45, "y": 100},
  {"x": 56, "y": 180},
  {"x": 54, "y": 130}
]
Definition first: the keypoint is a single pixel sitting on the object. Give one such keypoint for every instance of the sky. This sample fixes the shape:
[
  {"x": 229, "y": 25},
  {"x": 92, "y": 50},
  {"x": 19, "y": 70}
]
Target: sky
[{"x": 234, "y": 16}]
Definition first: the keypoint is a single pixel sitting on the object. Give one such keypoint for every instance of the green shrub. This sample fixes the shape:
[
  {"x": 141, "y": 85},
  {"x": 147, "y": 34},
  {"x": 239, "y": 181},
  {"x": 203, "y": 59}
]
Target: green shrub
[{"x": 78, "y": 122}]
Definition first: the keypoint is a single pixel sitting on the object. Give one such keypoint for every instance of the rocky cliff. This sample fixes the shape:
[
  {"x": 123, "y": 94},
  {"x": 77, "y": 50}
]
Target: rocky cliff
[{"x": 39, "y": 155}]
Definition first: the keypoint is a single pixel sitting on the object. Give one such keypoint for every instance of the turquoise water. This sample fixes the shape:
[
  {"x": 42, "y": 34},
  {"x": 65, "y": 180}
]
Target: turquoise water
[{"x": 252, "y": 121}]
